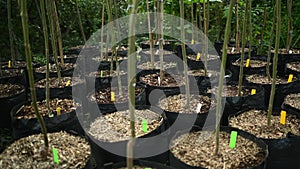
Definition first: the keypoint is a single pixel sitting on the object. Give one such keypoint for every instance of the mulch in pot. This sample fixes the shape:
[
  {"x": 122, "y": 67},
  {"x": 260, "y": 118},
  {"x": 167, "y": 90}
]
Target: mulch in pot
[
  {"x": 195, "y": 153},
  {"x": 213, "y": 61},
  {"x": 12, "y": 76},
  {"x": 73, "y": 152},
  {"x": 292, "y": 104},
  {"x": 147, "y": 65},
  {"x": 293, "y": 68},
  {"x": 52, "y": 67},
  {"x": 55, "y": 83},
  {"x": 167, "y": 81},
  {"x": 7, "y": 90}
]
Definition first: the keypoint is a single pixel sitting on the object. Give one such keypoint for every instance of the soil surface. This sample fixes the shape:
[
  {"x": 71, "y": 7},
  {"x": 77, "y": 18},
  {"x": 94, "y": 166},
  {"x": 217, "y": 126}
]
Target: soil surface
[
  {"x": 67, "y": 66},
  {"x": 201, "y": 72},
  {"x": 156, "y": 52},
  {"x": 66, "y": 105},
  {"x": 17, "y": 64},
  {"x": 255, "y": 122},
  {"x": 263, "y": 79},
  {"x": 284, "y": 51},
  {"x": 293, "y": 100},
  {"x": 54, "y": 83},
  {"x": 230, "y": 50},
  {"x": 176, "y": 103},
  {"x": 136, "y": 167},
  {"x": 106, "y": 73},
  {"x": 108, "y": 58},
  {"x": 209, "y": 57},
  {"x": 7, "y": 90},
  {"x": 167, "y": 81},
  {"x": 25, "y": 153},
  {"x": 11, "y": 73},
  {"x": 103, "y": 96},
  {"x": 166, "y": 42},
  {"x": 231, "y": 91},
  {"x": 147, "y": 65},
  {"x": 198, "y": 149},
  {"x": 253, "y": 63},
  {"x": 295, "y": 66},
  {"x": 115, "y": 127}
]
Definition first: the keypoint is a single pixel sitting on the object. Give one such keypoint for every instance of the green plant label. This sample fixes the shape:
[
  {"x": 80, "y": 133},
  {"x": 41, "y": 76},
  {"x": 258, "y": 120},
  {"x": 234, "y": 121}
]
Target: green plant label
[
  {"x": 145, "y": 125},
  {"x": 233, "y": 137},
  {"x": 55, "y": 155},
  {"x": 101, "y": 73}
]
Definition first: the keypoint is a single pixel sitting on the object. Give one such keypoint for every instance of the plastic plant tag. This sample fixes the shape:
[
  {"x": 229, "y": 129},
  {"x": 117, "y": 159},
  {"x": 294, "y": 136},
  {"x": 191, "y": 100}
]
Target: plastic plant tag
[
  {"x": 232, "y": 50},
  {"x": 199, "y": 105},
  {"x": 198, "y": 56},
  {"x": 58, "y": 110},
  {"x": 55, "y": 155},
  {"x": 233, "y": 137},
  {"x": 193, "y": 41},
  {"x": 101, "y": 73},
  {"x": 253, "y": 91},
  {"x": 112, "y": 96},
  {"x": 68, "y": 83},
  {"x": 145, "y": 125},
  {"x": 290, "y": 78},
  {"x": 148, "y": 168},
  {"x": 247, "y": 62},
  {"x": 9, "y": 64},
  {"x": 282, "y": 117},
  {"x": 158, "y": 79}
]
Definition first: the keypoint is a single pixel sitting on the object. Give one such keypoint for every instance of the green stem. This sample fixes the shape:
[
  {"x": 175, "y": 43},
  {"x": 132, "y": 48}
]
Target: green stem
[
  {"x": 241, "y": 73},
  {"x": 222, "y": 74},
  {"x": 275, "y": 60},
  {"x": 102, "y": 29},
  {"x": 45, "y": 31},
  {"x": 237, "y": 36},
  {"x": 10, "y": 30},
  {"x": 161, "y": 39},
  {"x": 150, "y": 36},
  {"x": 290, "y": 25},
  {"x": 80, "y": 22},
  {"x": 187, "y": 85},
  {"x": 131, "y": 82},
  {"x": 58, "y": 32},
  {"x": 24, "y": 17},
  {"x": 263, "y": 28}
]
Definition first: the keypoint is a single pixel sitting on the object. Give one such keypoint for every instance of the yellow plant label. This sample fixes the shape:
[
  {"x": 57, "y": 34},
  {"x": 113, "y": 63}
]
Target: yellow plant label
[
  {"x": 198, "y": 56},
  {"x": 101, "y": 73},
  {"x": 58, "y": 109},
  {"x": 253, "y": 91},
  {"x": 193, "y": 41},
  {"x": 290, "y": 78},
  {"x": 112, "y": 96},
  {"x": 68, "y": 83},
  {"x": 282, "y": 117},
  {"x": 9, "y": 64},
  {"x": 247, "y": 62}
]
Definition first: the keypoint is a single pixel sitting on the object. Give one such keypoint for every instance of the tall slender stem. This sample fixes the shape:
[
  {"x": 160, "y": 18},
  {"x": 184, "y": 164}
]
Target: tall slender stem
[
  {"x": 10, "y": 31},
  {"x": 263, "y": 28},
  {"x": 290, "y": 25},
  {"x": 46, "y": 36},
  {"x": 275, "y": 60},
  {"x": 241, "y": 73},
  {"x": 102, "y": 28},
  {"x": 80, "y": 22},
  {"x": 58, "y": 33},
  {"x": 237, "y": 36},
  {"x": 185, "y": 66},
  {"x": 161, "y": 39},
  {"x": 150, "y": 35},
  {"x": 24, "y": 17},
  {"x": 131, "y": 81},
  {"x": 221, "y": 78}
]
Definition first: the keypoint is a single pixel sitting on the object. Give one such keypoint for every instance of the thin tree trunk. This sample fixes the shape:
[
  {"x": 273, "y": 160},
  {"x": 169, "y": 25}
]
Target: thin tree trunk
[
  {"x": 117, "y": 22},
  {"x": 161, "y": 40},
  {"x": 237, "y": 36},
  {"x": 245, "y": 26},
  {"x": 10, "y": 30},
  {"x": 275, "y": 60},
  {"x": 24, "y": 17},
  {"x": 46, "y": 36},
  {"x": 290, "y": 25},
  {"x": 58, "y": 33},
  {"x": 150, "y": 35},
  {"x": 131, "y": 82},
  {"x": 185, "y": 66},
  {"x": 222, "y": 74},
  {"x": 53, "y": 37},
  {"x": 79, "y": 21},
  {"x": 102, "y": 28},
  {"x": 263, "y": 28}
]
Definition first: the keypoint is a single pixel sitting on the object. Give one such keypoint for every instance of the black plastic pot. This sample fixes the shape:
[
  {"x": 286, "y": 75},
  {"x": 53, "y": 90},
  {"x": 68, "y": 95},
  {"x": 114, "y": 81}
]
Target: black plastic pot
[
  {"x": 283, "y": 153},
  {"x": 291, "y": 110},
  {"x": 247, "y": 70},
  {"x": 39, "y": 76},
  {"x": 172, "y": 57},
  {"x": 281, "y": 91},
  {"x": 6, "y": 104},
  {"x": 236, "y": 104},
  {"x": 141, "y": 163},
  {"x": 25, "y": 127},
  {"x": 112, "y": 107},
  {"x": 176, "y": 163},
  {"x": 153, "y": 93},
  {"x": 103, "y": 156},
  {"x": 283, "y": 59},
  {"x": 183, "y": 121},
  {"x": 169, "y": 45},
  {"x": 19, "y": 78},
  {"x": 296, "y": 73}
]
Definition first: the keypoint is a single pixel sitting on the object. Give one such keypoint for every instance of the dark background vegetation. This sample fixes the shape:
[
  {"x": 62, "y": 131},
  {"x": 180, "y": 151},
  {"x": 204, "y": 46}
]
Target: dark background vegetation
[{"x": 91, "y": 18}]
